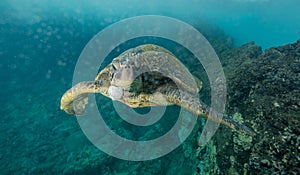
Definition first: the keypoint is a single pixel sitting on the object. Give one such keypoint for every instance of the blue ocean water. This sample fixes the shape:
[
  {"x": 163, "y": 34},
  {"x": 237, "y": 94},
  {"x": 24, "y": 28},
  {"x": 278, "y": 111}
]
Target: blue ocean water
[{"x": 40, "y": 44}]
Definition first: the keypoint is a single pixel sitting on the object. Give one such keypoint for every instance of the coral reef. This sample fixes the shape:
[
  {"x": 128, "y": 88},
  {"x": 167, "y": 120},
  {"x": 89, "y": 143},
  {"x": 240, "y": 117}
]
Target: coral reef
[{"x": 264, "y": 88}]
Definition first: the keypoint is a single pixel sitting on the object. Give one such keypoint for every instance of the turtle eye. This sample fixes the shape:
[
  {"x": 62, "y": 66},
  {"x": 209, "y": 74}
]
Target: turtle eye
[{"x": 115, "y": 65}]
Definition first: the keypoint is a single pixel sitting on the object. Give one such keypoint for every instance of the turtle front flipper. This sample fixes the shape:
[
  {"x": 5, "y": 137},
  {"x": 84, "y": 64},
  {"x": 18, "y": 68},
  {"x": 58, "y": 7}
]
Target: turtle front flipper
[
  {"x": 194, "y": 105},
  {"x": 75, "y": 99}
]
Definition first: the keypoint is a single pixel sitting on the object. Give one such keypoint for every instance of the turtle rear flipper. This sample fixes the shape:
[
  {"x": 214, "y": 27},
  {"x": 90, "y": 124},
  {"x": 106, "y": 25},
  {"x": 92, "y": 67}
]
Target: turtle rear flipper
[
  {"x": 194, "y": 105},
  {"x": 76, "y": 98},
  {"x": 226, "y": 120}
]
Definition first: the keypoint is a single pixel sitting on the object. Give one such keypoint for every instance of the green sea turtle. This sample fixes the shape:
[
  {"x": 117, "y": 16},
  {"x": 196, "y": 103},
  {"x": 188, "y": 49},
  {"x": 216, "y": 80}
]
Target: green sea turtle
[{"x": 147, "y": 75}]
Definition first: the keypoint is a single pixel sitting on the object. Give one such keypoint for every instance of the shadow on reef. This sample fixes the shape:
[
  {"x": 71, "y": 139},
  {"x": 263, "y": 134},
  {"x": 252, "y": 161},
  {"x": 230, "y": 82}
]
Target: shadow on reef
[{"x": 265, "y": 88}]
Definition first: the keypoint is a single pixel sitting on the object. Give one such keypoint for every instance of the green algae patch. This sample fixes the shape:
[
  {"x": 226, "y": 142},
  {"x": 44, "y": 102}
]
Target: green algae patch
[{"x": 242, "y": 141}]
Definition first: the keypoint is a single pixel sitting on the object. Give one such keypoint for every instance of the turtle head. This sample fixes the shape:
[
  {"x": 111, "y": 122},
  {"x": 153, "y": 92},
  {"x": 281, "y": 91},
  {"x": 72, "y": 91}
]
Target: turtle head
[
  {"x": 123, "y": 72},
  {"x": 104, "y": 83}
]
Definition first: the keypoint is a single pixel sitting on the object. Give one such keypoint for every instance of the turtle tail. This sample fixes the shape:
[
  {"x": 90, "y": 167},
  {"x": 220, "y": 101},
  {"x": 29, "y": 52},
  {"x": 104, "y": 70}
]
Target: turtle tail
[{"x": 75, "y": 99}]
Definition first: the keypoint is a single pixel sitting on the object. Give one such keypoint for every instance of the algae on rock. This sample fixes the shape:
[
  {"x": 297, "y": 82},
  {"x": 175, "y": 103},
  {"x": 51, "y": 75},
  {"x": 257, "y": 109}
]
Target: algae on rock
[
  {"x": 208, "y": 159},
  {"x": 242, "y": 141}
]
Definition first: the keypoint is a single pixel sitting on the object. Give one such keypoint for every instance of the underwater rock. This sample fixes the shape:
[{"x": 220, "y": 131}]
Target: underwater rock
[{"x": 265, "y": 89}]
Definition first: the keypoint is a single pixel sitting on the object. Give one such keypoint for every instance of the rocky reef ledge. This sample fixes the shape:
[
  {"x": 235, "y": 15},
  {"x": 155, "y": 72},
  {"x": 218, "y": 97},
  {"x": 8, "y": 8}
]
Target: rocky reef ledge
[{"x": 264, "y": 87}]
